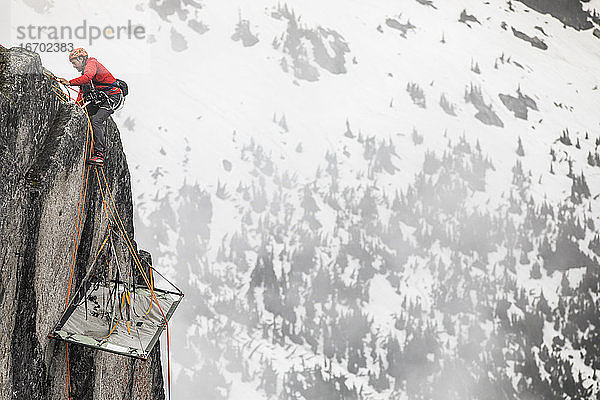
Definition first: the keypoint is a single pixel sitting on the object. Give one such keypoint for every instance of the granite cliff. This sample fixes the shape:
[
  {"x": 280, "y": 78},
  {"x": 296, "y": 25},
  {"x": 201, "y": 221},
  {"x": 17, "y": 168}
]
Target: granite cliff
[{"x": 42, "y": 151}]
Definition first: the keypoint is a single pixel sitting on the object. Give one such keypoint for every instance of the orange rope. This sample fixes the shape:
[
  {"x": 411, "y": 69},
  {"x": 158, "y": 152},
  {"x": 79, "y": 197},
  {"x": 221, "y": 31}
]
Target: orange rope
[
  {"x": 121, "y": 227},
  {"x": 152, "y": 288},
  {"x": 80, "y": 206},
  {"x": 58, "y": 91},
  {"x": 124, "y": 235},
  {"x": 129, "y": 315},
  {"x": 78, "y": 226},
  {"x": 104, "y": 203},
  {"x": 124, "y": 297},
  {"x": 78, "y": 231}
]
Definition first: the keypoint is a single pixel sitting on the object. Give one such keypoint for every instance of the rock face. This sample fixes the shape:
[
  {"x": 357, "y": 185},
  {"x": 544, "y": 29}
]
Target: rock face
[{"x": 42, "y": 153}]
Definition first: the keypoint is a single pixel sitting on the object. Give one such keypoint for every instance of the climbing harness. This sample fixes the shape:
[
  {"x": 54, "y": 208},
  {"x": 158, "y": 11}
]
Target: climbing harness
[{"x": 94, "y": 96}]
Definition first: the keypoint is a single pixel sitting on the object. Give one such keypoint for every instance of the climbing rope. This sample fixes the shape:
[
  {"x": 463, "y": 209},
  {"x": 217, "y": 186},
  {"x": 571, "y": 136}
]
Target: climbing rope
[
  {"x": 77, "y": 237},
  {"x": 57, "y": 88},
  {"x": 65, "y": 98},
  {"x": 119, "y": 223},
  {"x": 110, "y": 210},
  {"x": 109, "y": 206},
  {"x": 124, "y": 298}
]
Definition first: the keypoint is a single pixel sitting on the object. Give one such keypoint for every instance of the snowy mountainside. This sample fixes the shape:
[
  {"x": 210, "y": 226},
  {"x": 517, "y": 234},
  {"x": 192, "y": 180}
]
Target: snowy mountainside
[{"x": 390, "y": 200}]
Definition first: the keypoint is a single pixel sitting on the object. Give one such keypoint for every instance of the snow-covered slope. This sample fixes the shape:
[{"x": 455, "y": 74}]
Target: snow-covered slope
[{"x": 389, "y": 200}]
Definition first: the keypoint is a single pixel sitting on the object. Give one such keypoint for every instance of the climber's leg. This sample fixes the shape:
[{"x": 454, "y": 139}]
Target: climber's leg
[{"x": 98, "y": 120}]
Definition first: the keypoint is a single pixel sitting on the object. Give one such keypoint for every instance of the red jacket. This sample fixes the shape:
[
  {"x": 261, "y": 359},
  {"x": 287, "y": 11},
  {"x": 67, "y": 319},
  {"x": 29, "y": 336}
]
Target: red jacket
[{"x": 97, "y": 74}]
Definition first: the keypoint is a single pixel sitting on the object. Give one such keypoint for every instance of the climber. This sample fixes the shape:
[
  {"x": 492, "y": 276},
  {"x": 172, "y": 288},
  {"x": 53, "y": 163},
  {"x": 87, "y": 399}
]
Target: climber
[{"x": 101, "y": 93}]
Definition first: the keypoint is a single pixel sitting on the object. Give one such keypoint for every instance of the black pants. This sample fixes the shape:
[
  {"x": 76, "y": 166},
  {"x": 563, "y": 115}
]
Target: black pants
[{"x": 99, "y": 113}]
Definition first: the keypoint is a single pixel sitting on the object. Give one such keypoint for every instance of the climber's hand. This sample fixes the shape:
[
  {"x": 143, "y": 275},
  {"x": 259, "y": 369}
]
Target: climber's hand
[{"x": 64, "y": 81}]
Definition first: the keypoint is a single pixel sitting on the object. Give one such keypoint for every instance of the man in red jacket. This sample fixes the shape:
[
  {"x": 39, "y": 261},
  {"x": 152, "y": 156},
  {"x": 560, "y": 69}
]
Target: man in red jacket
[{"x": 99, "y": 91}]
